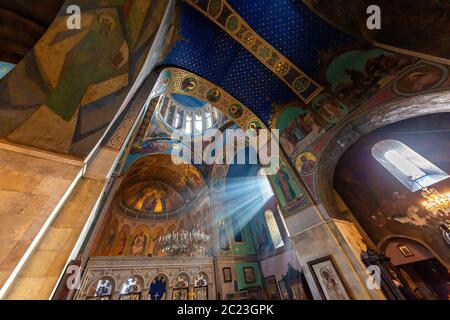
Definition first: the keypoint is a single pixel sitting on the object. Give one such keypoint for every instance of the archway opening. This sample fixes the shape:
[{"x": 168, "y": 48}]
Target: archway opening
[
  {"x": 425, "y": 275},
  {"x": 386, "y": 188}
]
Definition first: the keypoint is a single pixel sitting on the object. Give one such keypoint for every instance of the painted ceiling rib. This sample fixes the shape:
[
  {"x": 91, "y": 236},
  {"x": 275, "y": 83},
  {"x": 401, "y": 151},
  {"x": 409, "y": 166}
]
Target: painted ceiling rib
[{"x": 223, "y": 15}]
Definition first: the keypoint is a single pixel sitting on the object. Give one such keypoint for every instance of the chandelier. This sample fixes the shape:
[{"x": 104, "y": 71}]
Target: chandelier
[
  {"x": 184, "y": 243},
  {"x": 438, "y": 205}
]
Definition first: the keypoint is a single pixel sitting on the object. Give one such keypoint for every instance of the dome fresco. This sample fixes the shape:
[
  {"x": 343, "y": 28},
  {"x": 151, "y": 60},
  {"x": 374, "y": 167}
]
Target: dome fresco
[
  {"x": 152, "y": 197},
  {"x": 155, "y": 178}
]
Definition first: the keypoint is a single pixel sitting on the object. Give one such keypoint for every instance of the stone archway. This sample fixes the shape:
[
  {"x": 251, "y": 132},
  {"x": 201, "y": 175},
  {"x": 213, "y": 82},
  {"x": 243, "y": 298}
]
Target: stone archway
[
  {"x": 356, "y": 132},
  {"x": 364, "y": 122},
  {"x": 422, "y": 270},
  {"x": 322, "y": 230}
]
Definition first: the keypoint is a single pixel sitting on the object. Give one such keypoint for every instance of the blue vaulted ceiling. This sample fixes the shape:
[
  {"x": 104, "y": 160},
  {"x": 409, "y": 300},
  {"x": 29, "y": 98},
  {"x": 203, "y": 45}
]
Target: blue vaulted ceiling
[{"x": 288, "y": 25}]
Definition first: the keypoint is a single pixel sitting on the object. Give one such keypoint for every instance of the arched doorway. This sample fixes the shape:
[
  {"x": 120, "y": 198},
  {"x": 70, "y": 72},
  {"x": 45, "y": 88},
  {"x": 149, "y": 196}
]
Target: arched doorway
[
  {"x": 423, "y": 273},
  {"x": 379, "y": 183}
]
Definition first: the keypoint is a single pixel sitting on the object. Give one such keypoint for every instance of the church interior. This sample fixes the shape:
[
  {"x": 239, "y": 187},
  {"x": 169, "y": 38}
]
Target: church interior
[{"x": 103, "y": 104}]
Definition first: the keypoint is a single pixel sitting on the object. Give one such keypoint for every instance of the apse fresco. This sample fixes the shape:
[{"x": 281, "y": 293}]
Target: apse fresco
[
  {"x": 183, "y": 178},
  {"x": 152, "y": 197},
  {"x": 106, "y": 244},
  {"x": 121, "y": 244},
  {"x": 380, "y": 202},
  {"x": 77, "y": 80}
]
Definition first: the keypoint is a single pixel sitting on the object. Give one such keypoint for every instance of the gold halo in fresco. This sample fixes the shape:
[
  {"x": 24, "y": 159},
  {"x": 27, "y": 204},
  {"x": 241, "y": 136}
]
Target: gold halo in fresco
[
  {"x": 188, "y": 84},
  {"x": 235, "y": 111},
  {"x": 306, "y": 163},
  {"x": 255, "y": 125}
]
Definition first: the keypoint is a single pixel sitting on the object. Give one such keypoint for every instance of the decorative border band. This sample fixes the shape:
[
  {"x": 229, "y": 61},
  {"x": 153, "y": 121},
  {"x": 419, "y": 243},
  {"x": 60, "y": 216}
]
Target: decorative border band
[
  {"x": 223, "y": 15},
  {"x": 174, "y": 80}
]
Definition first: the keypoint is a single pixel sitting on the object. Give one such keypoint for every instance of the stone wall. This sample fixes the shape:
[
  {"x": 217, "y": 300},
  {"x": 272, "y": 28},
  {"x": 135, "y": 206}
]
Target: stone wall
[{"x": 31, "y": 185}]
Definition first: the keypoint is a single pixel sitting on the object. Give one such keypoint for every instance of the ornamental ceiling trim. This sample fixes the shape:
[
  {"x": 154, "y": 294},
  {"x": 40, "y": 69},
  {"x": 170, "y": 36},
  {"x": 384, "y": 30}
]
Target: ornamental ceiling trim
[
  {"x": 223, "y": 15},
  {"x": 174, "y": 80}
]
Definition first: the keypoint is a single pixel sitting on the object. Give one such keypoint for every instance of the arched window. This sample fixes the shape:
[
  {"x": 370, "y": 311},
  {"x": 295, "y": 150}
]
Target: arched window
[
  {"x": 237, "y": 229},
  {"x": 198, "y": 122},
  {"x": 201, "y": 286},
  {"x": 189, "y": 122},
  {"x": 410, "y": 168},
  {"x": 275, "y": 234},
  {"x": 102, "y": 290},
  {"x": 208, "y": 119},
  {"x": 131, "y": 289},
  {"x": 187, "y": 114},
  {"x": 181, "y": 288},
  {"x": 178, "y": 120}
]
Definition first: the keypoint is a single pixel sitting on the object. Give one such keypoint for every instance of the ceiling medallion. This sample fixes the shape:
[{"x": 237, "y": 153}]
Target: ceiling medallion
[
  {"x": 249, "y": 38},
  {"x": 255, "y": 125},
  {"x": 232, "y": 23},
  {"x": 281, "y": 67},
  {"x": 188, "y": 84},
  {"x": 213, "y": 95},
  {"x": 301, "y": 84},
  {"x": 235, "y": 111},
  {"x": 264, "y": 53},
  {"x": 215, "y": 8}
]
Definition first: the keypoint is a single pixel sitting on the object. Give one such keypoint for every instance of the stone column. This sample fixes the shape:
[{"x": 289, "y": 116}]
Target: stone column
[{"x": 316, "y": 235}]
